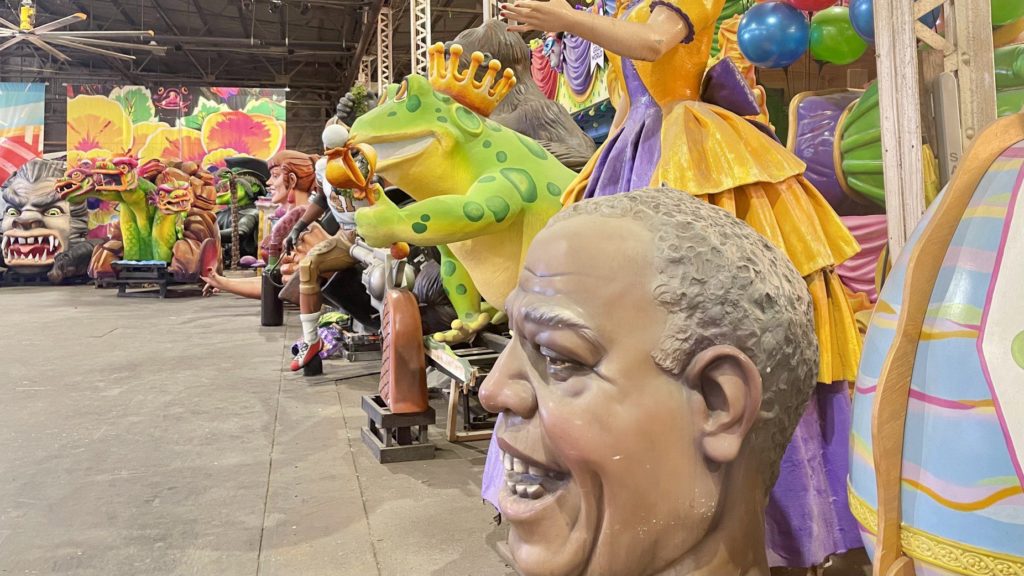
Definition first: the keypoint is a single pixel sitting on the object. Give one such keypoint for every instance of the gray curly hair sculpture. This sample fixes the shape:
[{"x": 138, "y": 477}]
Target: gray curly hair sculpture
[{"x": 723, "y": 283}]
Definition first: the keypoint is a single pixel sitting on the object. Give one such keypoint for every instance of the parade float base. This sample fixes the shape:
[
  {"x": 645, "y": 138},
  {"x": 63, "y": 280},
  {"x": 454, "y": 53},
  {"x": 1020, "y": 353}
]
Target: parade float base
[
  {"x": 144, "y": 279},
  {"x": 396, "y": 437}
]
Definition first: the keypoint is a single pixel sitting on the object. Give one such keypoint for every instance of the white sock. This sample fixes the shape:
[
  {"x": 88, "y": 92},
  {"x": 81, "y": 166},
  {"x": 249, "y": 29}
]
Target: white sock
[{"x": 310, "y": 324}]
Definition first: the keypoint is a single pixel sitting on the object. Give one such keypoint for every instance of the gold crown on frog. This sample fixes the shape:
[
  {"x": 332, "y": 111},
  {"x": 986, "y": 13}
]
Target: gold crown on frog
[{"x": 481, "y": 96}]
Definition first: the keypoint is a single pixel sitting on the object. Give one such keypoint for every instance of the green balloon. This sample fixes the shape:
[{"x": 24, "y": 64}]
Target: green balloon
[
  {"x": 1006, "y": 11},
  {"x": 833, "y": 38}
]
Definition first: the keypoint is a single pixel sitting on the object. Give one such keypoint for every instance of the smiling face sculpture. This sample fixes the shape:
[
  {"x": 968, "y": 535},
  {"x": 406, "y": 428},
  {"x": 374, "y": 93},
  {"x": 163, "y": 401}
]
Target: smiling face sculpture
[
  {"x": 37, "y": 224},
  {"x": 662, "y": 355}
]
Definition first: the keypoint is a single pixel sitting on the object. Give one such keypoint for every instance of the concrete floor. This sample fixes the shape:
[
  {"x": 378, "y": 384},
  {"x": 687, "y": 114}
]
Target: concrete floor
[
  {"x": 165, "y": 437},
  {"x": 147, "y": 437}
]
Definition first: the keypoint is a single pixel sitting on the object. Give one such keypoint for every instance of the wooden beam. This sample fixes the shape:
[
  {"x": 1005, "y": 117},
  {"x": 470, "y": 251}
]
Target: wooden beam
[
  {"x": 900, "y": 107},
  {"x": 975, "y": 66}
]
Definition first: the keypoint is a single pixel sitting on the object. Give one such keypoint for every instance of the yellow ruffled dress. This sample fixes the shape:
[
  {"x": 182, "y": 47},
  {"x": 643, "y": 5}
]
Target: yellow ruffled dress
[{"x": 721, "y": 157}]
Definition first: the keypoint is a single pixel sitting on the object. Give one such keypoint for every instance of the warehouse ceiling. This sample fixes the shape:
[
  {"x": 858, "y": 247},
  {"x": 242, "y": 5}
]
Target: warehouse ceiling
[{"x": 308, "y": 46}]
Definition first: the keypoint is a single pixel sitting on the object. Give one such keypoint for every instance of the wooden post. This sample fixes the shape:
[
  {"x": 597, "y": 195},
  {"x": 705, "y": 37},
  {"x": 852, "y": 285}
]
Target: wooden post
[
  {"x": 975, "y": 61},
  {"x": 900, "y": 109}
]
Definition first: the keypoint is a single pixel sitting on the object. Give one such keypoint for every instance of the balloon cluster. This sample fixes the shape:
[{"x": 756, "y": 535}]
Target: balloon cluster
[{"x": 775, "y": 34}]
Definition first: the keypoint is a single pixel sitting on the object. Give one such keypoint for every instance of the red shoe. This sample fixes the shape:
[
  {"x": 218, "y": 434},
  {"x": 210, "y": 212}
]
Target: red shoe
[{"x": 307, "y": 352}]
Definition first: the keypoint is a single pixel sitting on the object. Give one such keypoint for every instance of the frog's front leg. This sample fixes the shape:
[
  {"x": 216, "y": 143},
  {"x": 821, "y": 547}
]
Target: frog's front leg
[
  {"x": 465, "y": 298},
  {"x": 491, "y": 204}
]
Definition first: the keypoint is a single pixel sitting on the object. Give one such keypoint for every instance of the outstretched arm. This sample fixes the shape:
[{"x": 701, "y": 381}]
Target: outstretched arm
[
  {"x": 490, "y": 205},
  {"x": 667, "y": 27}
]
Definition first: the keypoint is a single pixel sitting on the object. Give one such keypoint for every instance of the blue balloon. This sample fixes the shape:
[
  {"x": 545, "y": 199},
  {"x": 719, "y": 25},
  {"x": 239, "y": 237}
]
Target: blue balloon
[
  {"x": 862, "y": 16},
  {"x": 773, "y": 35}
]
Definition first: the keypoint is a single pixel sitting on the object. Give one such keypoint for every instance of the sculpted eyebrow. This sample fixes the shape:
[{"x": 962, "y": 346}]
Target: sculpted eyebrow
[
  {"x": 560, "y": 318},
  {"x": 554, "y": 317}
]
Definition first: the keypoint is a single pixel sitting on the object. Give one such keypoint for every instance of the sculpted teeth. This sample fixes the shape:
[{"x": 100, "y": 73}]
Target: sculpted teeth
[{"x": 526, "y": 481}]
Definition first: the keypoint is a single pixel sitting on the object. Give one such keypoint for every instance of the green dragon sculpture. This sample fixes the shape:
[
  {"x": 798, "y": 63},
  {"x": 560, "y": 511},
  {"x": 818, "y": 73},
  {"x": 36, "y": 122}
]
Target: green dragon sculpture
[
  {"x": 482, "y": 191},
  {"x": 167, "y": 219},
  {"x": 116, "y": 180}
]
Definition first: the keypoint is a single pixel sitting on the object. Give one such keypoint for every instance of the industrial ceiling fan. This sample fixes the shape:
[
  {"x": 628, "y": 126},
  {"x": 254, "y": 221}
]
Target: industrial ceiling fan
[{"x": 47, "y": 36}]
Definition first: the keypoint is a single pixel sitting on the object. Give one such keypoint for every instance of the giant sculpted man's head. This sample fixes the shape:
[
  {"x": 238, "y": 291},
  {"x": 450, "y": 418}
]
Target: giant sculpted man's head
[{"x": 662, "y": 354}]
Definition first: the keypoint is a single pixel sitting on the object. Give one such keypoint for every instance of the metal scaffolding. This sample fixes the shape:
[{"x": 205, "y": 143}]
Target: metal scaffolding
[
  {"x": 419, "y": 14},
  {"x": 384, "y": 60},
  {"x": 365, "y": 71}
]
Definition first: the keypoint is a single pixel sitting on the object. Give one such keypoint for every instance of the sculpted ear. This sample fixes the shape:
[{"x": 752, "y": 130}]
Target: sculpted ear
[{"x": 730, "y": 385}]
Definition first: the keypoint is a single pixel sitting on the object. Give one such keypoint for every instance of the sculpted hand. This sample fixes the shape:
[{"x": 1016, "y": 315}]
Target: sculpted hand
[
  {"x": 292, "y": 240},
  {"x": 542, "y": 15},
  {"x": 380, "y": 225}
]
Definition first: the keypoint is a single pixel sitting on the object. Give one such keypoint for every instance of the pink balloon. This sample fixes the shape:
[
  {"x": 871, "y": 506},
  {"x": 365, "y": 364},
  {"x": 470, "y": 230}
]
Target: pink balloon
[{"x": 811, "y": 5}]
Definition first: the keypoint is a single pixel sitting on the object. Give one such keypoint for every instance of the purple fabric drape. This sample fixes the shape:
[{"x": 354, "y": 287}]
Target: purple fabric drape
[{"x": 576, "y": 63}]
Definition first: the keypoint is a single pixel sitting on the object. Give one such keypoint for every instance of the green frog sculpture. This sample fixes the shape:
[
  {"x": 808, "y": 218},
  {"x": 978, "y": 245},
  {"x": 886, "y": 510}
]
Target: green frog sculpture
[{"x": 482, "y": 191}]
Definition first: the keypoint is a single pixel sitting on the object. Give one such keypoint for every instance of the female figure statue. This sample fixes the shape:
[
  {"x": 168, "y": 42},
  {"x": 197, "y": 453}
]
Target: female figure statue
[{"x": 663, "y": 135}]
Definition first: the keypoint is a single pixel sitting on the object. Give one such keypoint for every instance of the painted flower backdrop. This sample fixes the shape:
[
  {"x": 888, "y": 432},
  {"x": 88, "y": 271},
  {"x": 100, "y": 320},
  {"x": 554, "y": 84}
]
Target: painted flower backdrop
[
  {"x": 203, "y": 125},
  {"x": 172, "y": 123}
]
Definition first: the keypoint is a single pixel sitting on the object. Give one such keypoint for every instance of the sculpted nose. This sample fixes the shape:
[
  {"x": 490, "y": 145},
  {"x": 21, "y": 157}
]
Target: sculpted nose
[
  {"x": 29, "y": 221},
  {"x": 507, "y": 387}
]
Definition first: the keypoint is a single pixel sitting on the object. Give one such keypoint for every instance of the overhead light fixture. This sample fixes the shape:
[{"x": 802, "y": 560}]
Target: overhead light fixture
[
  {"x": 304, "y": 9},
  {"x": 46, "y": 36},
  {"x": 275, "y": 5}
]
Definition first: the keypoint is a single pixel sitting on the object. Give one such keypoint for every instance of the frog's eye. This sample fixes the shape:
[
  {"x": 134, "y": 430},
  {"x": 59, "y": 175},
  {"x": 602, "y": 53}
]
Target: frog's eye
[{"x": 402, "y": 91}]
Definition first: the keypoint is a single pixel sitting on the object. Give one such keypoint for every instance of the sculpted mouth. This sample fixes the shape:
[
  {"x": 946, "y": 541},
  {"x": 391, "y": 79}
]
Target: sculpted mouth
[
  {"x": 30, "y": 250},
  {"x": 530, "y": 480},
  {"x": 399, "y": 149},
  {"x": 107, "y": 180}
]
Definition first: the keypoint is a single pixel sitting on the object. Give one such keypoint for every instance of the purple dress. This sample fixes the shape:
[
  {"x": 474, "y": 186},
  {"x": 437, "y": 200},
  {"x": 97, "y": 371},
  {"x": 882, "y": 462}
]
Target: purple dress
[{"x": 628, "y": 160}]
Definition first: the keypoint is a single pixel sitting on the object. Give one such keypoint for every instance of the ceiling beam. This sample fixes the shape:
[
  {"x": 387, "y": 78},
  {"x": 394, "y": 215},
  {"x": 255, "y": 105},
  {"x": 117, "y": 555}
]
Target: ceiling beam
[
  {"x": 170, "y": 24},
  {"x": 372, "y": 13}
]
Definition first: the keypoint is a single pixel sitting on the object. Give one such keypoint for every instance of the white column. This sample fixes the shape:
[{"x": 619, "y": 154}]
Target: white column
[
  {"x": 419, "y": 14},
  {"x": 384, "y": 48}
]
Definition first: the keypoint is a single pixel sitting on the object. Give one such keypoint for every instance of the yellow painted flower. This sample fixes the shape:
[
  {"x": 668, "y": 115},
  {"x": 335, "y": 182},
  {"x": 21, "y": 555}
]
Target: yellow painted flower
[
  {"x": 97, "y": 122},
  {"x": 142, "y": 131},
  {"x": 218, "y": 158},
  {"x": 257, "y": 135},
  {"x": 75, "y": 156},
  {"x": 173, "y": 144}
]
